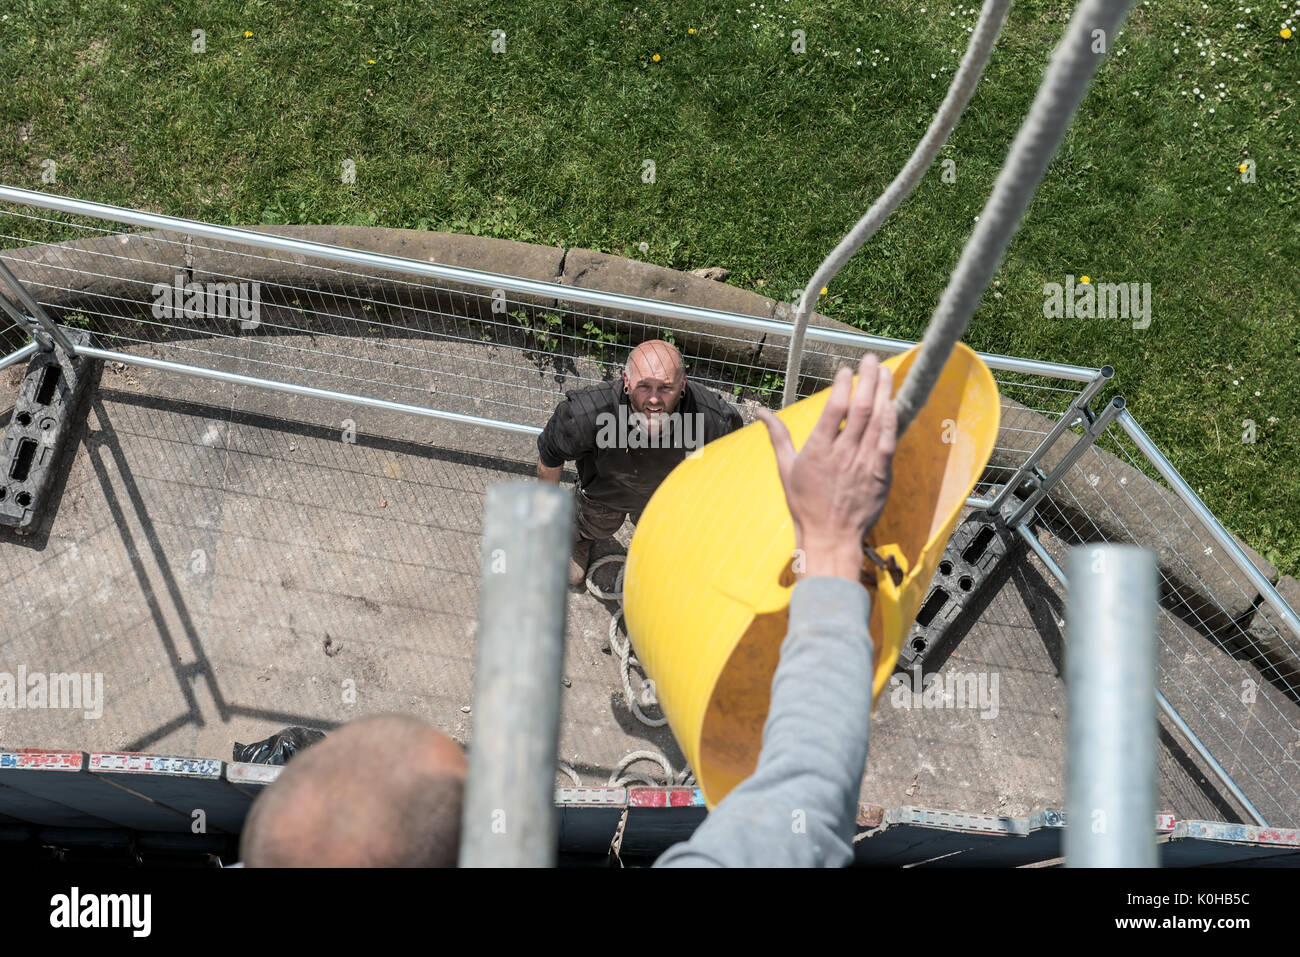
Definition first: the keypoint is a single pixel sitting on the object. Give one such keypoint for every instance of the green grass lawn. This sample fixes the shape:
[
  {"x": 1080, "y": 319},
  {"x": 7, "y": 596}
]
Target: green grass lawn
[{"x": 764, "y": 158}]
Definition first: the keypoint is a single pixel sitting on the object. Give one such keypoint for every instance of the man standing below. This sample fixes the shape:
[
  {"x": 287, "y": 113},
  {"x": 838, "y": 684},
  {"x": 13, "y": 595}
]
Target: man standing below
[{"x": 626, "y": 436}]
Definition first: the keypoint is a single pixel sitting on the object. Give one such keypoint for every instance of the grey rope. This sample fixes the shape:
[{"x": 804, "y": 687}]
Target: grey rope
[
  {"x": 1062, "y": 90},
  {"x": 950, "y": 110},
  {"x": 621, "y": 648},
  {"x": 618, "y": 777}
]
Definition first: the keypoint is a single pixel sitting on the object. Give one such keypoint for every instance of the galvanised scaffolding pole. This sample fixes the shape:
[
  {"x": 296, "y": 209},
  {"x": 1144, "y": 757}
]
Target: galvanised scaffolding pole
[
  {"x": 509, "y": 817},
  {"x": 1111, "y": 677}
]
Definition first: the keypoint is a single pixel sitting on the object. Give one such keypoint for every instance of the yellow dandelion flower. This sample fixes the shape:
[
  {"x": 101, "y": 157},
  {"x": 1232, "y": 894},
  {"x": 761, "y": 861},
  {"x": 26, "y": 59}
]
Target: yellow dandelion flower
[
  {"x": 823, "y": 290},
  {"x": 248, "y": 33},
  {"x": 1084, "y": 279},
  {"x": 655, "y": 58},
  {"x": 691, "y": 31},
  {"x": 1285, "y": 33},
  {"x": 1242, "y": 168},
  {"x": 370, "y": 61}
]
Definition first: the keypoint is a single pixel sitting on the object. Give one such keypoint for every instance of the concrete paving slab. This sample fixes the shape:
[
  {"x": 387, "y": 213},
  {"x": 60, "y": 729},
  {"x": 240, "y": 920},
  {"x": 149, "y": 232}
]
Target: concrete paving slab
[{"x": 230, "y": 565}]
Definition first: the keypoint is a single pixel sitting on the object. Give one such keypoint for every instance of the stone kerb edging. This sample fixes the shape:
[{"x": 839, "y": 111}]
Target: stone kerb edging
[{"x": 1102, "y": 492}]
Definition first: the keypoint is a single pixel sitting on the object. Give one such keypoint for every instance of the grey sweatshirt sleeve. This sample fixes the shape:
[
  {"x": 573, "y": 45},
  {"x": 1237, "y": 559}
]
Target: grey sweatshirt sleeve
[{"x": 799, "y": 807}]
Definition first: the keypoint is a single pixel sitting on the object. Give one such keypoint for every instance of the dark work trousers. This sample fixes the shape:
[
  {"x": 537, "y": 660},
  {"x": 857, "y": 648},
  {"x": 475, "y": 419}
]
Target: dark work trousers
[{"x": 595, "y": 521}]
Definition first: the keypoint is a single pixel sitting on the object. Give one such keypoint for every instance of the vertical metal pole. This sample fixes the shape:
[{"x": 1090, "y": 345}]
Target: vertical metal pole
[
  {"x": 509, "y": 817},
  {"x": 1111, "y": 677}
]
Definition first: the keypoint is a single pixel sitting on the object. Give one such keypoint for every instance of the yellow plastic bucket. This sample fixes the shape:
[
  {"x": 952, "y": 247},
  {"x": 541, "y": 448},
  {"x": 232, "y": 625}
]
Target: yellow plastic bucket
[{"x": 708, "y": 578}]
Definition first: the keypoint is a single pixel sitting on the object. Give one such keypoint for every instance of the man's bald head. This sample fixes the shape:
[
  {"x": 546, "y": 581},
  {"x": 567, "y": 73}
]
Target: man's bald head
[
  {"x": 656, "y": 359},
  {"x": 655, "y": 377},
  {"x": 381, "y": 791}
]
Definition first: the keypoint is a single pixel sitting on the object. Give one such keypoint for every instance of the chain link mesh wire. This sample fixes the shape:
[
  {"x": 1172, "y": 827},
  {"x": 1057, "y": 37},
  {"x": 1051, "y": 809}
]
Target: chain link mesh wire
[
  {"x": 400, "y": 337},
  {"x": 348, "y": 329}
]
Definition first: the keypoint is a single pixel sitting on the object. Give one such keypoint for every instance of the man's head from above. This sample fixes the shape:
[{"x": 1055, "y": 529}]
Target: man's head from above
[
  {"x": 654, "y": 379},
  {"x": 381, "y": 791}
]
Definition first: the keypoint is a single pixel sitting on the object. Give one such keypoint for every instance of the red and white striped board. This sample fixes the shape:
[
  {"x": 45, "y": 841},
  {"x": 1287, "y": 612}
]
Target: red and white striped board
[
  {"x": 62, "y": 779},
  {"x": 194, "y": 788}
]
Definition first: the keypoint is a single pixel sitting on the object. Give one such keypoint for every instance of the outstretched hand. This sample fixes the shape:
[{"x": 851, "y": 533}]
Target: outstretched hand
[{"x": 836, "y": 485}]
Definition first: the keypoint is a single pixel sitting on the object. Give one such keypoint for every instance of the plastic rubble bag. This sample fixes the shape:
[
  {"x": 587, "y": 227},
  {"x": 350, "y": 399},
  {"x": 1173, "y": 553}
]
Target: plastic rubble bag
[{"x": 278, "y": 748}]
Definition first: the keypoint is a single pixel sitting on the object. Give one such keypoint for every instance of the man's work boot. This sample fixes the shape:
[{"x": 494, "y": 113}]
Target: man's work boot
[{"x": 578, "y": 563}]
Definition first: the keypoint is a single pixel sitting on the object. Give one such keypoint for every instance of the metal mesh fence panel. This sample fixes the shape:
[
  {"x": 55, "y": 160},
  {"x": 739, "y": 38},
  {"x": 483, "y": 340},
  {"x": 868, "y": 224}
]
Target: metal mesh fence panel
[{"x": 504, "y": 355}]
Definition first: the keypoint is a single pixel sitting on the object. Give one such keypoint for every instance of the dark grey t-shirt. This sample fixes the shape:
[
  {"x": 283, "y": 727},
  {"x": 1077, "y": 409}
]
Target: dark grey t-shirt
[{"x": 616, "y": 475}]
